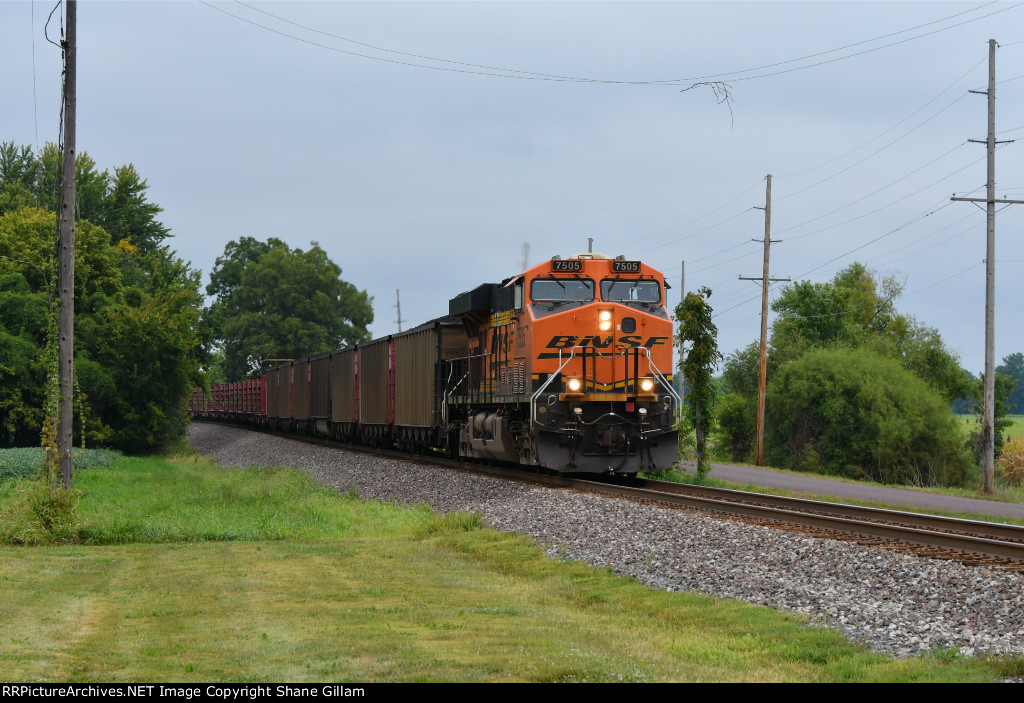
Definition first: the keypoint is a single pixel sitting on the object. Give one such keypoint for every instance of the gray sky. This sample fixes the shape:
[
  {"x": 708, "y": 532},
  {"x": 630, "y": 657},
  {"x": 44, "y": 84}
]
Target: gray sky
[{"x": 431, "y": 181}]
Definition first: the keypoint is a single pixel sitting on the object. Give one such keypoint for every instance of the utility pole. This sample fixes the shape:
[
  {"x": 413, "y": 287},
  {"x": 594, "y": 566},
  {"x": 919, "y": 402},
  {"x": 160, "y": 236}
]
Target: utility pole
[
  {"x": 66, "y": 256},
  {"x": 764, "y": 280},
  {"x": 682, "y": 280},
  {"x": 398, "y": 304},
  {"x": 988, "y": 424},
  {"x": 682, "y": 294}
]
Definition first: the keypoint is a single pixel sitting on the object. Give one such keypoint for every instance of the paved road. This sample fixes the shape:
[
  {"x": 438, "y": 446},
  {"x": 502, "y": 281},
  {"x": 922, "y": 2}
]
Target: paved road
[{"x": 824, "y": 486}]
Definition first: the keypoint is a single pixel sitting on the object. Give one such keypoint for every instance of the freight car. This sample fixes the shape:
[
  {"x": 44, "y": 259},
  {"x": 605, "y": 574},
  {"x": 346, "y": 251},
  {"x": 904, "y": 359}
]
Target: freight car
[{"x": 561, "y": 367}]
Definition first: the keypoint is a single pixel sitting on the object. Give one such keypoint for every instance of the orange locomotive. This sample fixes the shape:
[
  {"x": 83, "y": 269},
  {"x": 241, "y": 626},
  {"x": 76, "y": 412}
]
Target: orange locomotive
[{"x": 568, "y": 368}]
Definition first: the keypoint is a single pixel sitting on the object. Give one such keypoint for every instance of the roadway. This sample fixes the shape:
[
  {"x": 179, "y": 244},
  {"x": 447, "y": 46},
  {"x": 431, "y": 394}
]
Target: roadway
[{"x": 863, "y": 491}]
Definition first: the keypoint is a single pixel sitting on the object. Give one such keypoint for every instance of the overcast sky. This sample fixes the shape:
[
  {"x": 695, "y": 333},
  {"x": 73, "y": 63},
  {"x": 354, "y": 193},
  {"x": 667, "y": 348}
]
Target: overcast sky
[{"x": 332, "y": 122}]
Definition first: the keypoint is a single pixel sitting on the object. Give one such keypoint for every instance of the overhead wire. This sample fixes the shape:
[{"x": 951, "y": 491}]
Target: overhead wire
[
  {"x": 876, "y": 192},
  {"x": 872, "y": 154},
  {"x": 698, "y": 219},
  {"x": 887, "y": 205},
  {"x": 882, "y": 134},
  {"x": 694, "y": 234},
  {"x": 497, "y": 72}
]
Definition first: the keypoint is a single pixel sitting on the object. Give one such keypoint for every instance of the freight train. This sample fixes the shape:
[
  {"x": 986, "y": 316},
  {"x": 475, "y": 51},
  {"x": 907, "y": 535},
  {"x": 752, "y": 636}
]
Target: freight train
[{"x": 566, "y": 367}]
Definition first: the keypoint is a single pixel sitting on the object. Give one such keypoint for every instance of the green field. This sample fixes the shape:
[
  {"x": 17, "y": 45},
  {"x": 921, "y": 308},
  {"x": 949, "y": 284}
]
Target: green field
[
  {"x": 972, "y": 422},
  {"x": 188, "y": 572}
]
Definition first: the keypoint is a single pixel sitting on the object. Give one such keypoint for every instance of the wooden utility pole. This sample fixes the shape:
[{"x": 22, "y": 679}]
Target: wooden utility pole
[
  {"x": 66, "y": 256},
  {"x": 765, "y": 280},
  {"x": 398, "y": 304},
  {"x": 682, "y": 294},
  {"x": 990, "y": 200}
]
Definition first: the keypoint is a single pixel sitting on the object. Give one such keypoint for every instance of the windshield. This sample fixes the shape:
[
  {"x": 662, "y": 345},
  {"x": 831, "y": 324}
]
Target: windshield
[
  {"x": 630, "y": 289},
  {"x": 546, "y": 290}
]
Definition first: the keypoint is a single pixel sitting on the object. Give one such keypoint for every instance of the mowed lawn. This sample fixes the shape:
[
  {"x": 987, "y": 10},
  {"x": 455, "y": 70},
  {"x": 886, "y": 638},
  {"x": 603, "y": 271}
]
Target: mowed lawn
[{"x": 190, "y": 572}]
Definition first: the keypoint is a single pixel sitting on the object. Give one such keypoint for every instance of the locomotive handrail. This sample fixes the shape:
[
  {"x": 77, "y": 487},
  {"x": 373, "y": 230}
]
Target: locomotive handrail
[
  {"x": 447, "y": 394},
  {"x": 663, "y": 380},
  {"x": 551, "y": 377},
  {"x": 651, "y": 366}
]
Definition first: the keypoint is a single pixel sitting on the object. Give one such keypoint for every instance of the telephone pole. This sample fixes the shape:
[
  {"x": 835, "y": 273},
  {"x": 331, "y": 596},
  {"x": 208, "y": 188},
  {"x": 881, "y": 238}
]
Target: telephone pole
[
  {"x": 764, "y": 280},
  {"x": 66, "y": 255},
  {"x": 398, "y": 304},
  {"x": 988, "y": 424}
]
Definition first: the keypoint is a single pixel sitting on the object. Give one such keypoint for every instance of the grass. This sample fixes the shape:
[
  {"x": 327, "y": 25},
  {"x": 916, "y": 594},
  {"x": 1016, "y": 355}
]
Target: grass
[{"x": 195, "y": 573}]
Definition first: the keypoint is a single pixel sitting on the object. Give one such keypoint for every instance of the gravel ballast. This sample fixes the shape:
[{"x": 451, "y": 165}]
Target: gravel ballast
[{"x": 893, "y": 601}]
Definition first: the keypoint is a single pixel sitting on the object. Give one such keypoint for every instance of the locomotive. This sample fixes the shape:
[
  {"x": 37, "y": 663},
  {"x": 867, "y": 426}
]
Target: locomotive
[{"x": 565, "y": 367}]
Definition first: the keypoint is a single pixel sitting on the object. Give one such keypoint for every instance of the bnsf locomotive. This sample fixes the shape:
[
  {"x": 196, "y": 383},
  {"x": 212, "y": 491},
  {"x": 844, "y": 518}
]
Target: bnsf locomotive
[{"x": 566, "y": 366}]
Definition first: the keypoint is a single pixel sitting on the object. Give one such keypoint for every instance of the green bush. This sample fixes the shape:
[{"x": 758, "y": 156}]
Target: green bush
[
  {"x": 855, "y": 413},
  {"x": 736, "y": 427}
]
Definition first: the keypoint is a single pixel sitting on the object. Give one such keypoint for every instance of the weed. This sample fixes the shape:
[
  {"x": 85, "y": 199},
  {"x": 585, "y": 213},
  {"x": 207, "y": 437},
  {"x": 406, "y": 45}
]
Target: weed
[
  {"x": 454, "y": 522},
  {"x": 1011, "y": 461},
  {"x": 41, "y": 512}
]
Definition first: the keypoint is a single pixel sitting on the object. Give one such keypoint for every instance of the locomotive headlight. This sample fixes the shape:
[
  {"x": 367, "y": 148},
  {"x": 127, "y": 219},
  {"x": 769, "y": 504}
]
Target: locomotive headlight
[
  {"x": 646, "y": 385},
  {"x": 574, "y": 385},
  {"x": 605, "y": 317}
]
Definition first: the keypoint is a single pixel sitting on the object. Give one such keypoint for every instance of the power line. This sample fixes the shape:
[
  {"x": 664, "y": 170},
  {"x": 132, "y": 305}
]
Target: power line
[
  {"x": 883, "y": 207},
  {"x": 497, "y": 72},
  {"x": 698, "y": 219},
  {"x": 694, "y": 234},
  {"x": 936, "y": 245},
  {"x": 877, "y": 191},
  {"x": 874, "y": 153},
  {"x": 879, "y": 136},
  {"x": 860, "y": 53},
  {"x": 947, "y": 278}
]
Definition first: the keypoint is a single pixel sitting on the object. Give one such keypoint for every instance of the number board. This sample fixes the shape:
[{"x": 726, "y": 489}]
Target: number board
[
  {"x": 626, "y": 266},
  {"x": 568, "y": 265}
]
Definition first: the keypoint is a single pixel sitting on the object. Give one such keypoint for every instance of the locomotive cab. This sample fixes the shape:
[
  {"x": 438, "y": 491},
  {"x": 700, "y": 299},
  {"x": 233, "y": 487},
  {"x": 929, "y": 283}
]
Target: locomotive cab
[{"x": 569, "y": 367}]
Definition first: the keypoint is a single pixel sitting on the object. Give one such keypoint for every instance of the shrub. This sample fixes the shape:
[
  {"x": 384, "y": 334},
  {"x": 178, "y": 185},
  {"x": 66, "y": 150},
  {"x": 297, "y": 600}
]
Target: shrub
[
  {"x": 736, "y": 427},
  {"x": 854, "y": 412}
]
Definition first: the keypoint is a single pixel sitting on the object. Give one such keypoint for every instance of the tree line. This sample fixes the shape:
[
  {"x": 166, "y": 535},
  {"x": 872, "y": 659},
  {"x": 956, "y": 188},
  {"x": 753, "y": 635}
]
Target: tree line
[
  {"x": 143, "y": 338},
  {"x": 856, "y": 388}
]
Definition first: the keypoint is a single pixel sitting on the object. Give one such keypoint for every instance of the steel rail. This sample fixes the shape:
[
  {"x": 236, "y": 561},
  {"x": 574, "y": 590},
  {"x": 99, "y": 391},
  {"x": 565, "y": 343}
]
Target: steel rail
[{"x": 980, "y": 528}]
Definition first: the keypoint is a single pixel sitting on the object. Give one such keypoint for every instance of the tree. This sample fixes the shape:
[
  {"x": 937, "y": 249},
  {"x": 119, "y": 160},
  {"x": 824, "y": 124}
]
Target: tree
[
  {"x": 736, "y": 415},
  {"x": 128, "y": 215},
  {"x": 693, "y": 316},
  {"x": 856, "y": 309},
  {"x": 272, "y": 301},
  {"x": 1013, "y": 366},
  {"x": 138, "y": 337},
  {"x": 854, "y": 412}
]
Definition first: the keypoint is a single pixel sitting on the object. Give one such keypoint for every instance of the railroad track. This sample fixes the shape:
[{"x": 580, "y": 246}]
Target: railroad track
[{"x": 971, "y": 541}]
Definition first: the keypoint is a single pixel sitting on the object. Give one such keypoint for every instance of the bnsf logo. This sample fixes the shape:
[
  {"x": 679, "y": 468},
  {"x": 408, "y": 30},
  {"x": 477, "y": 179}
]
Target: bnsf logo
[{"x": 630, "y": 340}]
